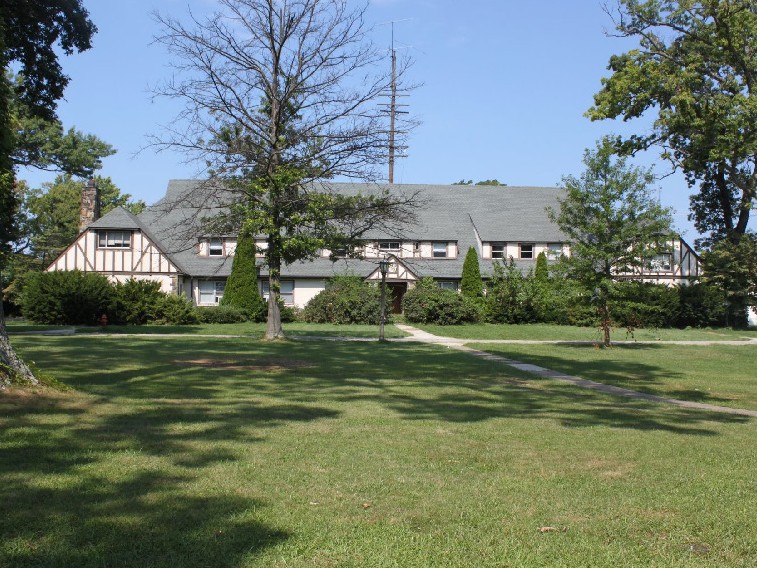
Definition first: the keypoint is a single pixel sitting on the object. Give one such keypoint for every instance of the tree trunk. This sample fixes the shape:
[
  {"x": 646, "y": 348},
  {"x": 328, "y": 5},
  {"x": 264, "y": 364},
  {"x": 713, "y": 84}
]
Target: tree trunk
[
  {"x": 273, "y": 328},
  {"x": 10, "y": 363}
]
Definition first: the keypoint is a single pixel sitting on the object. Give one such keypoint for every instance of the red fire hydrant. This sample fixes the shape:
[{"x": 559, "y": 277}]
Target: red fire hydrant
[{"x": 103, "y": 321}]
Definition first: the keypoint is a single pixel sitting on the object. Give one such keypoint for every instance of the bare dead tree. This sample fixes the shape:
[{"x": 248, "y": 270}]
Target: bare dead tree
[{"x": 280, "y": 96}]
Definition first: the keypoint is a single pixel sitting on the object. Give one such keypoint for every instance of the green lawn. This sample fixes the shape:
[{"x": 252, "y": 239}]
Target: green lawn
[
  {"x": 295, "y": 329},
  {"x": 549, "y": 332},
  {"x": 232, "y": 452},
  {"x": 724, "y": 375}
]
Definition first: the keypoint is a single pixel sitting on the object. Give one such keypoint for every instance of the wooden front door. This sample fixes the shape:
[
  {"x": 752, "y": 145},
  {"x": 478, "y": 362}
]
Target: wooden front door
[{"x": 396, "y": 292}]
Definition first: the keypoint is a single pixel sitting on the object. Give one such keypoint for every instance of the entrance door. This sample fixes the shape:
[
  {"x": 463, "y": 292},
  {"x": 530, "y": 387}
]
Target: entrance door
[{"x": 396, "y": 293}]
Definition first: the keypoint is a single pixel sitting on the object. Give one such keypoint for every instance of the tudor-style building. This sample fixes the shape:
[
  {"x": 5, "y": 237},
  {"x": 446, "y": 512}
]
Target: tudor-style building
[{"x": 498, "y": 222}]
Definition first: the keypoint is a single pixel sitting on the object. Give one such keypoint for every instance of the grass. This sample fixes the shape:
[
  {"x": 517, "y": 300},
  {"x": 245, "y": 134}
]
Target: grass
[
  {"x": 550, "y": 332},
  {"x": 256, "y": 330},
  {"x": 231, "y": 452},
  {"x": 718, "y": 374}
]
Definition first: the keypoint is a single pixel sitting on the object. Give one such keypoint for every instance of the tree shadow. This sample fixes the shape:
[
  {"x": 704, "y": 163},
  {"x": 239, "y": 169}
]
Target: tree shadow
[{"x": 140, "y": 520}]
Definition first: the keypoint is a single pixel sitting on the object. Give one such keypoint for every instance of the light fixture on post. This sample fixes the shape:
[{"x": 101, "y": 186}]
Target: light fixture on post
[{"x": 383, "y": 268}]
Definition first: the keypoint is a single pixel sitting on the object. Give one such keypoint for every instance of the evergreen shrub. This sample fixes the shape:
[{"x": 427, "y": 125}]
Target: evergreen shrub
[
  {"x": 644, "y": 304},
  {"x": 427, "y": 303},
  {"x": 701, "y": 305},
  {"x": 175, "y": 310},
  {"x": 241, "y": 291},
  {"x": 67, "y": 298},
  {"x": 345, "y": 300},
  {"x": 136, "y": 301}
]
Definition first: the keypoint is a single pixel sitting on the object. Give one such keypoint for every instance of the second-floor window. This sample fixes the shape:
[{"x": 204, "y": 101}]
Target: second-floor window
[
  {"x": 440, "y": 250},
  {"x": 114, "y": 239},
  {"x": 554, "y": 251},
  {"x": 498, "y": 250},
  {"x": 661, "y": 262},
  {"x": 389, "y": 246},
  {"x": 526, "y": 250},
  {"x": 215, "y": 247}
]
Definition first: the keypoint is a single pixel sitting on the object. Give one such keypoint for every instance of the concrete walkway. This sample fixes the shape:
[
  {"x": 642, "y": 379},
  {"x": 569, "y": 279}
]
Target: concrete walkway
[{"x": 459, "y": 344}]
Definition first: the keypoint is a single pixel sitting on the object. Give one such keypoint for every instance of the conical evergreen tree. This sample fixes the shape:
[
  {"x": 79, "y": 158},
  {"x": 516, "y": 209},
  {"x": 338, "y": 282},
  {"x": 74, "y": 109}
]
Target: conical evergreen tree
[
  {"x": 241, "y": 290},
  {"x": 541, "y": 274},
  {"x": 471, "y": 286}
]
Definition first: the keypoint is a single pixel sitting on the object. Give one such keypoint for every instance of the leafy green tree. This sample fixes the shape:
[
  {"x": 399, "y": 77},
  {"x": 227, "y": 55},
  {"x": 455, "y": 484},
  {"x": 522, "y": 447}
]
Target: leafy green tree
[
  {"x": 30, "y": 32},
  {"x": 279, "y": 99},
  {"x": 42, "y": 143},
  {"x": 694, "y": 71},
  {"x": 733, "y": 269},
  {"x": 471, "y": 284},
  {"x": 241, "y": 289},
  {"x": 613, "y": 222}
]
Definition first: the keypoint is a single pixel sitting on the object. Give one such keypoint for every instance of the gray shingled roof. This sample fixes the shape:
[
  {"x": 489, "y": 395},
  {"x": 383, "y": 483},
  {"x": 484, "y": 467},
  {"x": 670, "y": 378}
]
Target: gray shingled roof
[
  {"x": 118, "y": 218},
  {"x": 446, "y": 213}
]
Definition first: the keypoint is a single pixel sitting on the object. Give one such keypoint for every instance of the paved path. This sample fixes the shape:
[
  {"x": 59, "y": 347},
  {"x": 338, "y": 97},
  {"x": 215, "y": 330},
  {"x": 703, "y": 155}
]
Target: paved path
[{"x": 459, "y": 344}]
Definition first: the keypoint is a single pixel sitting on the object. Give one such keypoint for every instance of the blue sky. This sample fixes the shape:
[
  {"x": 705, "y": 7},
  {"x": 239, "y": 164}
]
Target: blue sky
[{"x": 505, "y": 86}]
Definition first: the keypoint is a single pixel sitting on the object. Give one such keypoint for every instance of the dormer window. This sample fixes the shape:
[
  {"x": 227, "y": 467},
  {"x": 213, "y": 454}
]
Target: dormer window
[
  {"x": 498, "y": 250},
  {"x": 114, "y": 239},
  {"x": 215, "y": 247},
  {"x": 440, "y": 250}
]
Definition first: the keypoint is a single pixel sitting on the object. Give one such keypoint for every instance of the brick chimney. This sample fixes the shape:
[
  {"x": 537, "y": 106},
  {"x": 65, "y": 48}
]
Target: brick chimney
[{"x": 90, "y": 205}]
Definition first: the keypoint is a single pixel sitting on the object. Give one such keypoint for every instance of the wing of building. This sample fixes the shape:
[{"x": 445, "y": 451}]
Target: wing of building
[{"x": 164, "y": 242}]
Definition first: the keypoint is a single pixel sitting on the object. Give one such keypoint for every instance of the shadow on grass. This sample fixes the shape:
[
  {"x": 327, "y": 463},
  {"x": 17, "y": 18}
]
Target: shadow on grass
[
  {"x": 140, "y": 519},
  {"x": 418, "y": 382},
  {"x": 108, "y": 475}
]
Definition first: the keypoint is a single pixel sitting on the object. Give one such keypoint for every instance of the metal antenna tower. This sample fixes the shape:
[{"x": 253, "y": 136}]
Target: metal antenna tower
[{"x": 393, "y": 112}]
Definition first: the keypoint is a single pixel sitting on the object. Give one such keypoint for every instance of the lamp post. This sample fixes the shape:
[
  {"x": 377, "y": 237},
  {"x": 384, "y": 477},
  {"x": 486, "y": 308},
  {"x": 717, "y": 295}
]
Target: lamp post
[{"x": 383, "y": 268}]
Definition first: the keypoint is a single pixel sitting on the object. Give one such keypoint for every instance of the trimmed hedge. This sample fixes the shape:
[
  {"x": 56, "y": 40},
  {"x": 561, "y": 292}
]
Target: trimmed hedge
[
  {"x": 221, "y": 314},
  {"x": 346, "y": 299}
]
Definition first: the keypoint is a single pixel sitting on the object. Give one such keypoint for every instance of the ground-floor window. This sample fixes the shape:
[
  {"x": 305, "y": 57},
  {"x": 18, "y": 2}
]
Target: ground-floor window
[
  {"x": 211, "y": 291},
  {"x": 286, "y": 291},
  {"x": 447, "y": 284}
]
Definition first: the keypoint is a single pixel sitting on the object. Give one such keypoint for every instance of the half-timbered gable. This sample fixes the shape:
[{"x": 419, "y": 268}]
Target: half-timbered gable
[{"x": 118, "y": 246}]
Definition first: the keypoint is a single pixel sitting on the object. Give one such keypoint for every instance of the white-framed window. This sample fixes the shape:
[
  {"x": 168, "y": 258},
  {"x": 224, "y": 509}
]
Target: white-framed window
[
  {"x": 215, "y": 246},
  {"x": 661, "y": 262},
  {"x": 211, "y": 292},
  {"x": 439, "y": 249},
  {"x": 448, "y": 284},
  {"x": 389, "y": 246},
  {"x": 114, "y": 239},
  {"x": 554, "y": 251},
  {"x": 526, "y": 250},
  {"x": 498, "y": 250},
  {"x": 286, "y": 291}
]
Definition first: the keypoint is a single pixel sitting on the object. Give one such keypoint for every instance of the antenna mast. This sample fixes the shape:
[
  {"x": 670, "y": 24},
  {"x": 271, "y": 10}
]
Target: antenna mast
[{"x": 393, "y": 112}]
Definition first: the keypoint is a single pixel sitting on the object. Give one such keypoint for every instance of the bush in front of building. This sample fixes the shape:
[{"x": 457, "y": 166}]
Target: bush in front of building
[
  {"x": 175, "y": 310},
  {"x": 702, "y": 305},
  {"x": 345, "y": 300},
  {"x": 636, "y": 304},
  {"x": 221, "y": 314},
  {"x": 512, "y": 297},
  {"x": 67, "y": 298},
  {"x": 136, "y": 302},
  {"x": 427, "y": 303}
]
